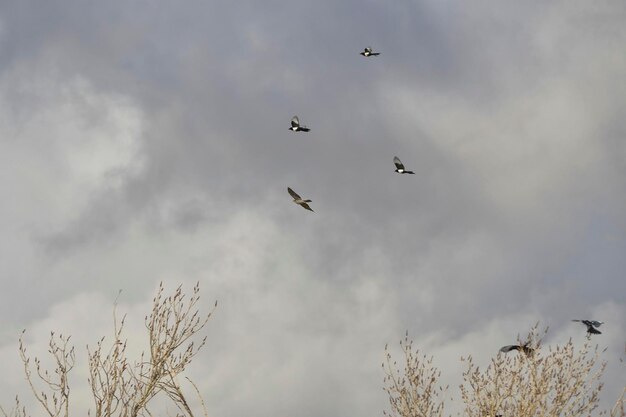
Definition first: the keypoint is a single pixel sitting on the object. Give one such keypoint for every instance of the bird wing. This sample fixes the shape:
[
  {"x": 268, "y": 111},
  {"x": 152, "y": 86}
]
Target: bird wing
[
  {"x": 398, "y": 163},
  {"x": 509, "y": 348},
  {"x": 368, "y": 49},
  {"x": 593, "y": 330},
  {"x": 295, "y": 122},
  {"x": 293, "y": 194},
  {"x": 593, "y": 323},
  {"x": 304, "y": 129},
  {"x": 306, "y": 206}
]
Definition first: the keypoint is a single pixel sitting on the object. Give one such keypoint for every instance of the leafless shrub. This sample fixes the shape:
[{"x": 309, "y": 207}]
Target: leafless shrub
[
  {"x": 122, "y": 387},
  {"x": 545, "y": 381}
]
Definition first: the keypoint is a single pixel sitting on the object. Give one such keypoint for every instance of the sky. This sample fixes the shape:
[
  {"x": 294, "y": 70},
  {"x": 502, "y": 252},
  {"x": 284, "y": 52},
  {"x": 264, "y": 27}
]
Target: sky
[{"x": 147, "y": 141}]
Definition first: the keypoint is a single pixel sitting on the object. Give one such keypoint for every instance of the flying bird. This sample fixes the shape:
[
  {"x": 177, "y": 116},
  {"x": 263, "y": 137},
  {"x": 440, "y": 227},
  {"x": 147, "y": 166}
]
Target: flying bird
[
  {"x": 298, "y": 200},
  {"x": 368, "y": 52},
  {"x": 296, "y": 127},
  {"x": 522, "y": 348},
  {"x": 400, "y": 167},
  {"x": 591, "y": 325}
]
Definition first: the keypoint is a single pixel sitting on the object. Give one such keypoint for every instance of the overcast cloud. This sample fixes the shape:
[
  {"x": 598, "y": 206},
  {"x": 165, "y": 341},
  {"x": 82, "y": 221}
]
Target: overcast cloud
[{"x": 145, "y": 141}]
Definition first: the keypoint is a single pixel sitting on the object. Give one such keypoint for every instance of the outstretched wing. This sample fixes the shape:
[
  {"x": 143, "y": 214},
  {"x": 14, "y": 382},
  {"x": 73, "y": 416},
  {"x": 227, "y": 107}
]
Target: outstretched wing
[
  {"x": 398, "y": 163},
  {"x": 295, "y": 122},
  {"x": 293, "y": 194},
  {"x": 509, "y": 348},
  {"x": 306, "y": 206},
  {"x": 588, "y": 323},
  {"x": 593, "y": 330}
]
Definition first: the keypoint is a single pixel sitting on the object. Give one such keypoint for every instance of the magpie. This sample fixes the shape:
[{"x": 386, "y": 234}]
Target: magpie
[
  {"x": 591, "y": 325},
  {"x": 295, "y": 125},
  {"x": 400, "y": 167},
  {"x": 368, "y": 52}
]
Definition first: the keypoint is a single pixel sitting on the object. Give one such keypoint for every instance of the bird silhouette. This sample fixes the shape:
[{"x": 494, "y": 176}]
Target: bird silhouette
[
  {"x": 400, "y": 167},
  {"x": 368, "y": 52},
  {"x": 591, "y": 325},
  {"x": 525, "y": 348},
  {"x": 296, "y": 127},
  {"x": 298, "y": 200}
]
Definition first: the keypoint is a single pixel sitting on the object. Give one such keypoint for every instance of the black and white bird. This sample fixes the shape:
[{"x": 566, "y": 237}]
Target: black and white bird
[
  {"x": 521, "y": 348},
  {"x": 591, "y": 325},
  {"x": 368, "y": 52},
  {"x": 296, "y": 127},
  {"x": 298, "y": 200},
  {"x": 400, "y": 167}
]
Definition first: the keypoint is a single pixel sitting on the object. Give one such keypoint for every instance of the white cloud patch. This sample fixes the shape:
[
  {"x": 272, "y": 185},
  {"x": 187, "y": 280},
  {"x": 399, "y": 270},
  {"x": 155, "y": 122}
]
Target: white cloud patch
[{"x": 64, "y": 142}]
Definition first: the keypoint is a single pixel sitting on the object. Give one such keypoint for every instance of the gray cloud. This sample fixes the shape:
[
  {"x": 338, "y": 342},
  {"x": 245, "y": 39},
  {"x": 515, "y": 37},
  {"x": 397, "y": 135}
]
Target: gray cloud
[{"x": 144, "y": 141}]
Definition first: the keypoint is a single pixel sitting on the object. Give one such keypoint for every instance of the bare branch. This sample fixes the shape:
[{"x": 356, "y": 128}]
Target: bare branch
[
  {"x": 127, "y": 388},
  {"x": 415, "y": 392},
  {"x": 56, "y": 402},
  {"x": 119, "y": 386}
]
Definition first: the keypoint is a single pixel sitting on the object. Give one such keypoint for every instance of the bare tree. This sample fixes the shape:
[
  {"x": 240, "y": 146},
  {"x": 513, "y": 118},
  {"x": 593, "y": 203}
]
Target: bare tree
[
  {"x": 554, "y": 381},
  {"x": 56, "y": 401},
  {"x": 414, "y": 392},
  {"x": 120, "y": 386},
  {"x": 561, "y": 380}
]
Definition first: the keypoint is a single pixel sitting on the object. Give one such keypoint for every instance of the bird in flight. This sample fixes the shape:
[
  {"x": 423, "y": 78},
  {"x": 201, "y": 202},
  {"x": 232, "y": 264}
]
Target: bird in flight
[
  {"x": 298, "y": 200},
  {"x": 522, "y": 348},
  {"x": 368, "y": 52},
  {"x": 400, "y": 167},
  {"x": 591, "y": 325},
  {"x": 296, "y": 127}
]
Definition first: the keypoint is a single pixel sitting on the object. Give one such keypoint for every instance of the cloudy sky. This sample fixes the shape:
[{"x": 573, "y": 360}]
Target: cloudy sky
[{"x": 147, "y": 140}]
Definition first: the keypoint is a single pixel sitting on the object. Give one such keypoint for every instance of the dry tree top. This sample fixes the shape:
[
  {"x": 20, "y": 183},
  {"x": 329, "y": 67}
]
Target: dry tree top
[
  {"x": 122, "y": 386},
  {"x": 413, "y": 391},
  {"x": 530, "y": 381}
]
